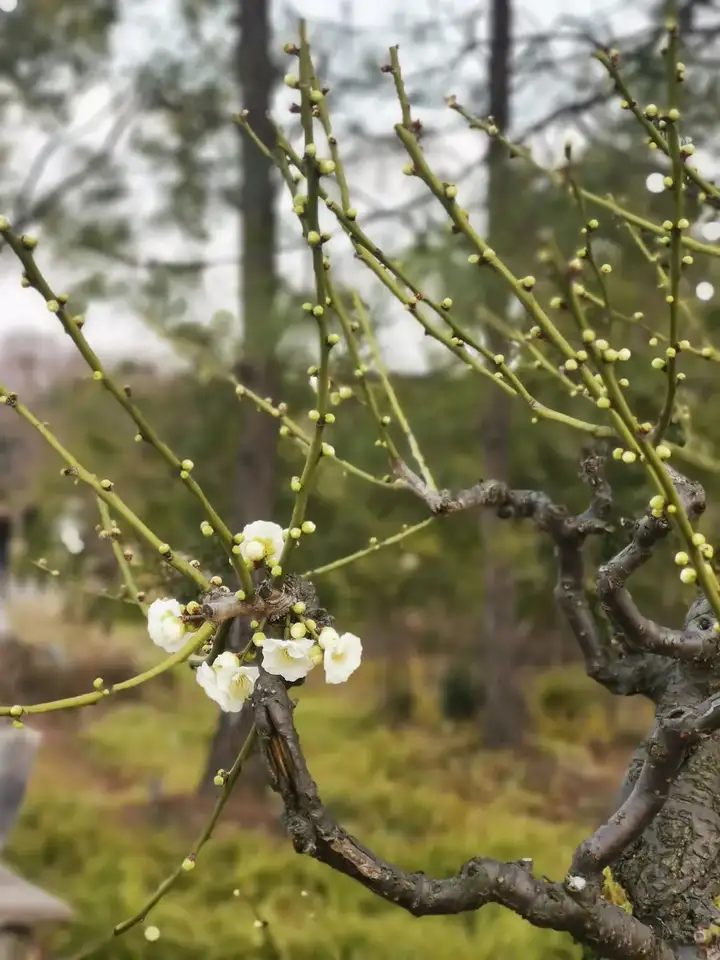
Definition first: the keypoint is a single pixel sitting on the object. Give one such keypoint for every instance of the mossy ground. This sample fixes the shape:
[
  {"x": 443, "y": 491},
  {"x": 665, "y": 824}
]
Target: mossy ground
[{"x": 423, "y": 796}]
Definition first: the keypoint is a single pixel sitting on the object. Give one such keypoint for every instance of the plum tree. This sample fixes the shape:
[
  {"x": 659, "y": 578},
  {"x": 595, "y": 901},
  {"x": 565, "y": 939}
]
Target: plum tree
[{"x": 661, "y": 842}]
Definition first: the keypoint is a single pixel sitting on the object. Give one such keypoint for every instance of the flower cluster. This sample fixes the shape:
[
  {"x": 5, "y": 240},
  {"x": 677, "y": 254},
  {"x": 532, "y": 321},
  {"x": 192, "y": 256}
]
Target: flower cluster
[
  {"x": 226, "y": 680},
  {"x": 340, "y": 655},
  {"x": 230, "y": 684}
]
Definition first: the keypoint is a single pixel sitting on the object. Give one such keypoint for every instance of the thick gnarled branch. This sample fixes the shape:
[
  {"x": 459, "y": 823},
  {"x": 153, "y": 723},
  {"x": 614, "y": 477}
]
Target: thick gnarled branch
[
  {"x": 637, "y": 631},
  {"x": 666, "y": 750},
  {"x": 621, "y": 674},
  {"x": 273, "y": 600},
  {"x": 480, "y": 881},
  {"x": 492, "y": 494},
  {"x": 636, "y": 667}
]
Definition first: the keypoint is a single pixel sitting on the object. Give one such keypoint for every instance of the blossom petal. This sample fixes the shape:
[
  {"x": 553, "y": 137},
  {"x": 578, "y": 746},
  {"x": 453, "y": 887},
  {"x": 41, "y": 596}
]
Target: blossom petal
[
  {"x": 288, "y": 659},
  {"x": 207, "y": 678},
  {"x": 328, "y": 635},
  {"x": 226, "y": 660},
  {"x": 342, "y": 657},
  {"x": 226, "y": 682}
]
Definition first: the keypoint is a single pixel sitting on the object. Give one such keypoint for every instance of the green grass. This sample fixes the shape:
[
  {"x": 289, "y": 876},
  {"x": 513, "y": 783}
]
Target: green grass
[{"x": 422, "y": 799}]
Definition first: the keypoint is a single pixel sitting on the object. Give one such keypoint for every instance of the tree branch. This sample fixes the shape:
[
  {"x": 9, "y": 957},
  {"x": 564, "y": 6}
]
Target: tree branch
[
  {"x": 29, "y": 208},
  {"x": 637, "y": 631},
  {"x": 675, "y": 731},
  {"x": 272, "y": 600},
  {"x": 507, "y": 504},
  {"x": 626, "y": 675},
  {"x": 638, "y": 670},
  {"x": 622, "y": 675},
  {"x": 666, "y": 750},
  {"x": 480, "y": 881}
]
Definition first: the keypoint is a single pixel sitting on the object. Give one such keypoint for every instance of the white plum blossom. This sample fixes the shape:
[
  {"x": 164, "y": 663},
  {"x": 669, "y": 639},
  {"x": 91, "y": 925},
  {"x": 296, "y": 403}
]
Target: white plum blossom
[
  {"x": 342, "y": 654},
  {"x": 262, "y": 540},
  {"x": 314, "y": 384},
  {"x": 289, "y": 659},
  {"x": 227, "y": 682},
  {"x": 165, "y": 625}
]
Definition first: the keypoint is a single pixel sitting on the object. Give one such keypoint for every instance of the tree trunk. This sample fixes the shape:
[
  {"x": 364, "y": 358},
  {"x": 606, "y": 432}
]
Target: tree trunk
[
  {"x": 256, "y": 461},
  {"x": 671, "y": 874},
  {"x": 6, "y": 530},
  {"x": 504, "y": 712}
]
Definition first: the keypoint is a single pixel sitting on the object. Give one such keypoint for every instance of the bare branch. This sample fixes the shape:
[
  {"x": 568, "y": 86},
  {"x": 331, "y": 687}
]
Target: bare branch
[
  {"x": 634, "y": 672},
  {"x": 272, "y": 600},
  {"x": 28, "y": 210},
  {"x": 623, "y": 675},
  {"x": 507, "y": 504},
  {"x": 480, "y": 881},
  {"x": 637, "y": 631}
]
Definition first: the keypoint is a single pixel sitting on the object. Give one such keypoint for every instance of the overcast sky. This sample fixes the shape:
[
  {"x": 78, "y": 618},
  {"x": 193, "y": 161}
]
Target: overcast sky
[{"x": 381, "y": 22}]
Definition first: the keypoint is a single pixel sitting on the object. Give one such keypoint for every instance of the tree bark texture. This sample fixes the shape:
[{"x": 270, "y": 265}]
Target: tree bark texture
[{"x": 504, "y": 712}]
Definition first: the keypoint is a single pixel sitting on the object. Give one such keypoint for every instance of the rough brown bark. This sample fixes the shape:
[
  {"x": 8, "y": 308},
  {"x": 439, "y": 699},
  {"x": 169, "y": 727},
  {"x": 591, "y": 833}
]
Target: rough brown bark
[
  {"x": 662, "y": 839},
  {"x": 478, "y": 882},
  {"x": 256, "y": 461},
  {"x": 672, "y": 871},
  {"x": 504, "y": 713}
]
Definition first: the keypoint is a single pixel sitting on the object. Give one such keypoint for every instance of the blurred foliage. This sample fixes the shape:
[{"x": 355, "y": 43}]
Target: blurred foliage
[{"x": 567, "y": 710}]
